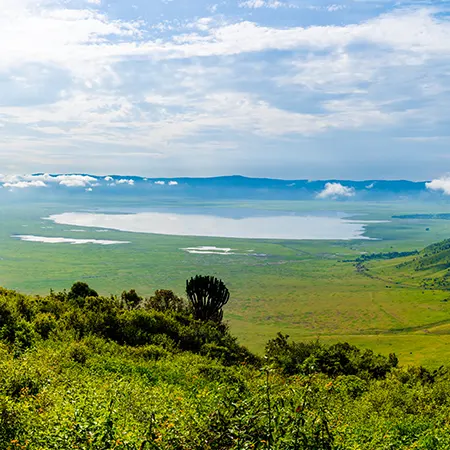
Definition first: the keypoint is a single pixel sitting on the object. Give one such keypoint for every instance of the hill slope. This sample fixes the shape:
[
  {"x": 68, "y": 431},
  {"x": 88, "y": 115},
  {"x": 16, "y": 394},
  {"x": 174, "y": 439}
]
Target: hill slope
[
  {"x": 429, "y": 268},
  {"x": 103, "y": 373}
]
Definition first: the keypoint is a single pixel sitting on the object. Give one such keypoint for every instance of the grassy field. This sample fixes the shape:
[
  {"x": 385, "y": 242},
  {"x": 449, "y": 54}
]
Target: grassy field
[{"x": 305, "y": 289}]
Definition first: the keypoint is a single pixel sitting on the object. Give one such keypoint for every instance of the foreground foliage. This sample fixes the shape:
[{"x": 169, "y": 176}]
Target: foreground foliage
[{"x": 88, "y": 372}]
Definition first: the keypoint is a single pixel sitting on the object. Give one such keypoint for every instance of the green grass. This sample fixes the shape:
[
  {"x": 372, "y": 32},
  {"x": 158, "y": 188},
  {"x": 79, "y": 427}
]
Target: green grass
[
  {"x": 95, "y": 374},
  {"x": 301, "y": 288}
]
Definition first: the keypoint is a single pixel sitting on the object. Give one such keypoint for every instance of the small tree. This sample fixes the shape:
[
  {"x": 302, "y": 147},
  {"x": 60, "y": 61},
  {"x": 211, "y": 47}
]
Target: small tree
[
  {"x": 81, "y": 290},
  {"x": 131, "y": 299},
  {"x": 164, "y": 300},
  {"x": 208, "y": 295}
]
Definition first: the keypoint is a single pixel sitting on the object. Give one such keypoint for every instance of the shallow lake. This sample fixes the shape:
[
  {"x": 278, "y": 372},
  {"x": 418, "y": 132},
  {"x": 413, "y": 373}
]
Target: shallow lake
[{"x": 284, "y": 226}]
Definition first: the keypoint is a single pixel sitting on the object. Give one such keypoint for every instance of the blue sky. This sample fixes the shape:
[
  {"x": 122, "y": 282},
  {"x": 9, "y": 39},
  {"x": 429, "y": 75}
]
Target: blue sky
[{"x": 280, "y": 88}]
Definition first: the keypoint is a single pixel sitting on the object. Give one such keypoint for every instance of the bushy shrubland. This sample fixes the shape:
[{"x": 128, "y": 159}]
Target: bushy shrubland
[
  {"x": 333, "y": 360},
  {"x": 127, "y": 373},
  {"x": 164, "y": 320}
]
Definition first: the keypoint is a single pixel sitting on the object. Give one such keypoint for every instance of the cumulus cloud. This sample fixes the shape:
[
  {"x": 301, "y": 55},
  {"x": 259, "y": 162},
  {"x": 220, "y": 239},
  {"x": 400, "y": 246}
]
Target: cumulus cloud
[
  {"x": 125, "y": 181},
  {"x": 75, "y": 180},
  {"x": 440, "y": 185},
  {"x": 42, "y": 180},
  {"x": 173, "y": 183},
  {"x": 25, "y": 184},
  {"x": 160, "y": 183},
  {"x": 336, "y": 190}
]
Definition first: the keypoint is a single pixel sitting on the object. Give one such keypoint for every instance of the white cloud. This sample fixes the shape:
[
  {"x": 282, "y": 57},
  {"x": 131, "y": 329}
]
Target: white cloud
[
  {"x": 161, "y": 183},
  {"x": 82, "y": 60},
  {"x": 77, "y": 39},
  {"x": 23, "y": 181},
  {"x": 335, "y": 7},
  {"x": 440, "y": 184},
  {"x": 108, "y": 178},
  {"x": 272, "y": 4},
  {"x": 173, "y": 183},
  {"x": 116, "y": 119},
  {"x": 25, "y": 184},
  {"x": 75, "y": 180},
  {"x": 329, "y": 8},
  {"x": 336, "y": 190},
  {"x": 125, "y": 181}
]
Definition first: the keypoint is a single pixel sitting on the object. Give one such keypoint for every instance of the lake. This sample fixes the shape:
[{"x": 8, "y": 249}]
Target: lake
[{"x": 284, "y": 226}]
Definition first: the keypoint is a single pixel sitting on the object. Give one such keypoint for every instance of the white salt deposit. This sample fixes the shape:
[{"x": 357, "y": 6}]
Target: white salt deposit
[
  {"x": 60, "y": 240},
  {"x": 209, "y": 250}
]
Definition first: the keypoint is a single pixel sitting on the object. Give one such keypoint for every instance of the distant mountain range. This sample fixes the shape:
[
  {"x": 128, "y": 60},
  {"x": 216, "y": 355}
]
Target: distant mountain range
[
  {"x": 232, "y": 186},
  {"x": 238, "y": 181}
]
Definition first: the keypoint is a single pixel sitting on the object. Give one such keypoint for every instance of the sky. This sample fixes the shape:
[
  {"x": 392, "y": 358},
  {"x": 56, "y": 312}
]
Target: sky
[{"x": 357, "y": 89}]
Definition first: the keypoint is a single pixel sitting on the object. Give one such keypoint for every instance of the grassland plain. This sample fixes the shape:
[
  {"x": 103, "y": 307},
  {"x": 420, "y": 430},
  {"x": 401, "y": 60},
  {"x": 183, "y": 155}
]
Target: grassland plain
[{"x": 302, "y": 288}]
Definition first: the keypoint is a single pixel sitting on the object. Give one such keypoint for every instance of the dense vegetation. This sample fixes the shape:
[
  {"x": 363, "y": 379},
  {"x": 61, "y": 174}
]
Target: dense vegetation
[
  {"x": 384, "y": 256},
  {"x": 432, "y": 264},
  {"x": 79, "y": 370}
]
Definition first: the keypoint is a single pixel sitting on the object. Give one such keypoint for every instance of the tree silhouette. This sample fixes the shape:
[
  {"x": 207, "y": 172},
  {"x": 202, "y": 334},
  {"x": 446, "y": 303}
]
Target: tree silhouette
[
  {"x": 81, "y": 290},
  {"x": 208, "y": 295}
]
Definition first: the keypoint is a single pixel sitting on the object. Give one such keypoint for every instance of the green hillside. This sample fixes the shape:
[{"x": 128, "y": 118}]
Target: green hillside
[
  {"x": 81, "y": 371},
  {"x": 428, "y": 268}
]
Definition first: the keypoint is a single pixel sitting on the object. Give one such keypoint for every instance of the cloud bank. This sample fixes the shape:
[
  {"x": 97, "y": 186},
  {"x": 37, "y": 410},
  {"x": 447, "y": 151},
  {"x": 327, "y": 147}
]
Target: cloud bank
[
  {"x": 336, "y": 190},
  {"x": 440, "y": 185},
  {"x": 44, "y": 180}
]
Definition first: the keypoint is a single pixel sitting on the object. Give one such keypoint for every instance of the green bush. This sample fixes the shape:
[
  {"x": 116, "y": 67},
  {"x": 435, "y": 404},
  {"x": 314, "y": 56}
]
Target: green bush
[
  {"x": 164, "y": 300},
  {"x": 44, "y": 324},
  {"x": 131, "y": 299},
  {"x": 334, "y": 360},
  {"x": 11, "y": 424},
  {"x": 78, "y": 352},
  {"x": 150, "y": 352},
  {"x": 80, "y": 290}
]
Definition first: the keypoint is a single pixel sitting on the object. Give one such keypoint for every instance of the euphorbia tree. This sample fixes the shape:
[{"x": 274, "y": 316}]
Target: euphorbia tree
[{"x": 208, "y": 295}]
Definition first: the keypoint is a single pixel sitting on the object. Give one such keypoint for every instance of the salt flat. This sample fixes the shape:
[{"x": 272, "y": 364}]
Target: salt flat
[{"x": 60, "y": 240}]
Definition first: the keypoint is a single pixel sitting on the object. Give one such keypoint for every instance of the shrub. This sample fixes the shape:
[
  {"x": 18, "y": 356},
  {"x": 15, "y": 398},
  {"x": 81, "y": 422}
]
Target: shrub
[
  {"x": 80, "y": 290},
  {"x": 10, "y": 421},
  {"x": 131, "y": 299},
  {"x": 164, "y": 300},
  {"x": 7, "y": 322},
  {"x": 24, "y": 336},
  {"x": 44, "y": 324},
  {"x": 139, "y": 326},
  {"x": 333, "y": 360},
  {"x": 78, "y": 352},
  {"x": 150, "y": 352}
]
